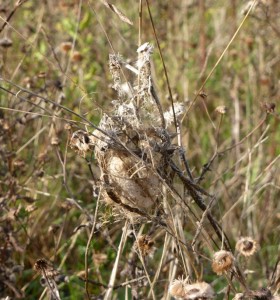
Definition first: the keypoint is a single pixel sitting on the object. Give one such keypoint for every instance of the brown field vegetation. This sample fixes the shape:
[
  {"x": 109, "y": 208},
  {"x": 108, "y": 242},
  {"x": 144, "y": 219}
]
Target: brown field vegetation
[{"x": 140, "y": 146}]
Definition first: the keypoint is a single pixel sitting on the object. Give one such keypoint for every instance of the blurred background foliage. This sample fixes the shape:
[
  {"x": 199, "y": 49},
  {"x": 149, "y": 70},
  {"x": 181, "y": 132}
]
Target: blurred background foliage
[{"x": 59, "y": 50}]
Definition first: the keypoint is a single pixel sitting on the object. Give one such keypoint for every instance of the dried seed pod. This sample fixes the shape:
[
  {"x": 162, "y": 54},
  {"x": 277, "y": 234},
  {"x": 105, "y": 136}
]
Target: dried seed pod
[
  {"x": 199, "y": 290},
  {"x": 223, "y": 261},
  {"x": 246, "y": 246}
]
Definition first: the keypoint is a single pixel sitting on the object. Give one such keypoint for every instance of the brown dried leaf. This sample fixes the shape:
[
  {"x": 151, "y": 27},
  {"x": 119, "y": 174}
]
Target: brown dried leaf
[{"x": 118, "y": 12}]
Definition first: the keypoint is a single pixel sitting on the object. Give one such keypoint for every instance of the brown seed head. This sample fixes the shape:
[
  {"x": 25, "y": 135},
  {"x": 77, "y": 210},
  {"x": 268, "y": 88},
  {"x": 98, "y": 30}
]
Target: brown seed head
[
  {"x": 45, "y": 268},
  {"x": 177, "y": 288},
  {"x": 144, "y": 244},
  {"x": 222, "y": 262},
  {"x": 221, "y": 109},
  {"x": 41, "y": 264},
  {"x": 269, "y": 107},
  {"x": 66, "y": 46},
  {"x": 246, "y": 246},
  {"x": 81, "y": 142},
  {"x": 199, "y": 290},
  {"x": 77, "y": 56}
]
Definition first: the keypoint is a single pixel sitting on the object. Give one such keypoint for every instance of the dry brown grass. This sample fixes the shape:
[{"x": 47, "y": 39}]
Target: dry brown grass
[{"x": 153, "y": 176}]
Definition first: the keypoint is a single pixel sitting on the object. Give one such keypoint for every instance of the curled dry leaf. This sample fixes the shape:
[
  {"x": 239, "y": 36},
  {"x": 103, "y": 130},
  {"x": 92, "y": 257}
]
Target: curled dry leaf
[{"x": 118, "y": 12}]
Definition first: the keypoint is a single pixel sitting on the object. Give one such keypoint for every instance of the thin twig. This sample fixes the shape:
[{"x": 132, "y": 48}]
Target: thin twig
[{"x": 163, "y": 64}]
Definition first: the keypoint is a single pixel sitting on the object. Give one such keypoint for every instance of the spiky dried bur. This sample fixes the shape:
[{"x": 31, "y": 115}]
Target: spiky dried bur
[
  {"x": 223, "y": 261},
  {"x": 246, "y": 246},
  {"x": 199, "y": 290}
]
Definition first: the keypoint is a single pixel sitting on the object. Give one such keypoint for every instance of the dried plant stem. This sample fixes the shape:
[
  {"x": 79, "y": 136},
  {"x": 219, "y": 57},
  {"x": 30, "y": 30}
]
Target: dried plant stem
[
  {"x": 88, "y": 243},
  {"x": 164, "y": 251},
  {"x": 17, "y": 5},
  {"x": 143, "y": 263},
  {"x": 220, "y": 58},
  {"x": 200, "y": 224},
  {"x": 207, "y": 166},
  {"x": 31, "y": 140},
  {"x": 54, "y": 292},
  {"x": 109, "y": 291},
  {"x": 139, "y": 44},
  {"x": 41, "y": 115},
  {"x": 163, "y": 64}
]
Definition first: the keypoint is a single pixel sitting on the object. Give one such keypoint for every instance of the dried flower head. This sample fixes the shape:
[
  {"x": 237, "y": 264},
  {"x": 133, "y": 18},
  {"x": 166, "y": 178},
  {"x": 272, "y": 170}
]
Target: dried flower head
[
  {"x": 66, "y": 46},
  {"x": 45, "y": 268},
  {"x": 222, "y": 262},
  {"x": 81, "y": 142},
  {"x": 199, "y": 290},
  {"x": 222, "y": 109},
  {"x": 269, "y": 107},
  {"x": 177, "y": 288},
  {"x": 77, "y": 56},
  {"x": 40, "y": 264},
  {"x": 5, "y": 42},
  {"x": 246, "y": 246},
  {"x": 144, "y": 244}
]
